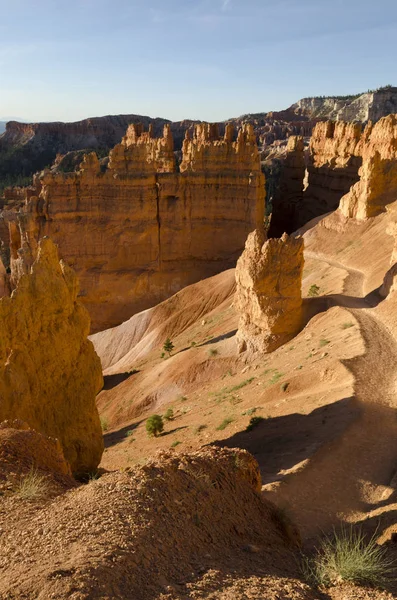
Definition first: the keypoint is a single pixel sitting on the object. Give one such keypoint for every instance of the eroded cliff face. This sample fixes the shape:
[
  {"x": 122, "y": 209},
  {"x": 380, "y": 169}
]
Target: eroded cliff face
[
  {"x": 377, "y": 185},
  {"x": 268, "y": 295},
  {"x": 49, "y": 371},
  {"x": 334, "y": 161},
  {"x": 138, "y": 230}
]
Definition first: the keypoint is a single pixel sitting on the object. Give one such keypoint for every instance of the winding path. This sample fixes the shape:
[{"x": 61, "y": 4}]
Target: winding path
[{"x": 347, "y": 476}]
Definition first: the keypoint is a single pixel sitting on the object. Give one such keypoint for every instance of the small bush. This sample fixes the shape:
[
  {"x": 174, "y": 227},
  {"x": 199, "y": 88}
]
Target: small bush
[
  {"x": 169, "y": 414},
  {"x": 224, "y": 424},
  {"x": 32, "y": 486},
  {"x": 104, "y": 423},
  {"x": 347, "y": 325},
  {"x": 284, "y": 386},
  {"x": 192, "y": 344},
  {"x": 347, "y": 556},
  {"x": 323, "y": 343},
  {"x": 162, "y": 355},
  {"x": 313, "y": 290},
  {"x": 213, "y": 352},
  {"x": 254, "y": 422},
  {"x": 154, "y": 425},
  {"x": 175, "y": 444},
  {"x": 168, "y": 346}
]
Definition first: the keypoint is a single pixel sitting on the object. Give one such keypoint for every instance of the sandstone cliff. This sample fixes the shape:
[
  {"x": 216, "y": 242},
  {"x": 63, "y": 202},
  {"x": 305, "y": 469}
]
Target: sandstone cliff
[
  {"x": 268, "y": 295},
  {"x": 139, "y": 230},
  {"x": 378, "y": 174},
  {"x": 49, "y": 372}
]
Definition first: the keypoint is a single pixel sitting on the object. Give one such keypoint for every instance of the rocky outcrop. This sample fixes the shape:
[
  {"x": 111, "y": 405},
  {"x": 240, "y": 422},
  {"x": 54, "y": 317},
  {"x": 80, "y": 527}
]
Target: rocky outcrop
[
  {"x": 370, "y": 106},
  {"x": 377, "y": 186},
  {"x": 138, "y": 230},
  {"x": 268, "y": 295},
  {"x": 49, "y": 372},
  {"x": 288, "y": 196}
]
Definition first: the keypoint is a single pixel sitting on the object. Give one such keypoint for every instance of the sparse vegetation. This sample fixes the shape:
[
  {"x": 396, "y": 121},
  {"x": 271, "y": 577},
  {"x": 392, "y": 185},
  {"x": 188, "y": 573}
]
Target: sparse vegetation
[
  {"x": 175, "y": 444},
  {"x": 224, "y": 424},
  {"x": 348, "y": 557},
  {"x": 254, "y": 422},
  {"x": 154, "y": 425},
  {"x": 276, "y": 376},
  {"x": 129, "y": 432},
  {"x": 324, "y": 342},
  {"x": 314, "y": 290},
  {"x": 347, "y": 325},
  {"x": 213, "y": 352},
  {"x": 104, "y": 423},
  {"x": 199, "y": 429},
  {"x": 168, "y": 346},
  {"x": 169, "y": 414},
  {"x": 32, "y": 486},
  {"x": 249, "y": 412}
]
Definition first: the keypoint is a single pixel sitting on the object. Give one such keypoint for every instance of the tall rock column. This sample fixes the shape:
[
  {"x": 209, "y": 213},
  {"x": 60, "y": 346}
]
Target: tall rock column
[
  {"x": 268, "y": 295},
  {"x": 49, "y": 371}
]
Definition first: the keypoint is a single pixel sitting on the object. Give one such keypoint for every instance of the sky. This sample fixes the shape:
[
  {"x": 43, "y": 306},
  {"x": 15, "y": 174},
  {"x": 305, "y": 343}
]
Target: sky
[{"x": 198, "y": 59}]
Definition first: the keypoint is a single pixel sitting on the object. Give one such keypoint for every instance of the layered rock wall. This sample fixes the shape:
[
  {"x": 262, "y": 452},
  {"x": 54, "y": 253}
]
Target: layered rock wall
[
  {"x": 49, "y": 372},
  {"x": 268, "y": 295},
  {"x": 138, "y": 230}
]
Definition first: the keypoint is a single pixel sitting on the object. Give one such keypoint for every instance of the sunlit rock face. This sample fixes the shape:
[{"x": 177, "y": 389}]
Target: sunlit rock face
[
  {"x": 137, "y": 228},
  {"x": 49, "y": 371}
]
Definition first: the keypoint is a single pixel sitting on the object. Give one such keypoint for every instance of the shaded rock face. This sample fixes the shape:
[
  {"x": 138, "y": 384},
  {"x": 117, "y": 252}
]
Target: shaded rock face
[
  {"x": 268, "y": 295},
  {"x": 139, "y": 230},
  {"x": 49, "y": 372},
  {"x": 287, "y": 199}
]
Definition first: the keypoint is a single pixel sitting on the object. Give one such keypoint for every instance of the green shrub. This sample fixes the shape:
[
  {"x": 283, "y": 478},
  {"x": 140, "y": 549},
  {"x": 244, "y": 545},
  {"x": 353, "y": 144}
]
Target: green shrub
[
  {"x": 175, "y": 444},
  {"x": 347, "y": 325},
  {"x": 213, "y": 352},
  {"x": 154, "y": 425},
  {"x": 254, "y": 422},
  {"x": 323, "y": 343},
  {"x": 168, "y": 346},
  {"x": 313, "y": 290},
  {"x": 104, "y": 423},
  {"x": 347, "y": 556},
  {"x": 169, "y": 414}
]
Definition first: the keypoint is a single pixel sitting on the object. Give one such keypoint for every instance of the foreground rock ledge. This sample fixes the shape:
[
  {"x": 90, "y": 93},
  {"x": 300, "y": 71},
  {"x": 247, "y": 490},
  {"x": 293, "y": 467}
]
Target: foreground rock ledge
[
  {"x": 49, "y": 371},
  {"x": 268, "y": 296}
]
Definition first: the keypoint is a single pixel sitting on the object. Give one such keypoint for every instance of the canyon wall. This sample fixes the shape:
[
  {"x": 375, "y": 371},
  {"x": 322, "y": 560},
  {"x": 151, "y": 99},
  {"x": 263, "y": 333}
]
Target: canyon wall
[
  {"x": 139, "y": 229},
  {"x": 49, "y": 372}
]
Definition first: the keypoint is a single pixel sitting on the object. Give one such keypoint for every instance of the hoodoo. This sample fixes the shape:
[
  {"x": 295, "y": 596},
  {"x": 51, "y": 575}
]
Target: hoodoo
[
  {"x": 268, "y": 296},
  {"x": 49, "y": 371}
]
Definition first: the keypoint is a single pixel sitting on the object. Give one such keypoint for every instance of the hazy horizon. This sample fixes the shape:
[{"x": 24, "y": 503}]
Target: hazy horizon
[{"x": 188, "y": 59}]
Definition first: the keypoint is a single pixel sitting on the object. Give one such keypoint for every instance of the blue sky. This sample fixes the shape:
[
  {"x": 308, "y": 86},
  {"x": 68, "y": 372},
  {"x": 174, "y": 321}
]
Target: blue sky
[{"x": 204, "y": 59}]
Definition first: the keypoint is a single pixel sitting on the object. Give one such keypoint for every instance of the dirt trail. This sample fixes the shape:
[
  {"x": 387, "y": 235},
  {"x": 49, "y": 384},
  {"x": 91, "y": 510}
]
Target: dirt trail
[{"x": 347, "y": 476}]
